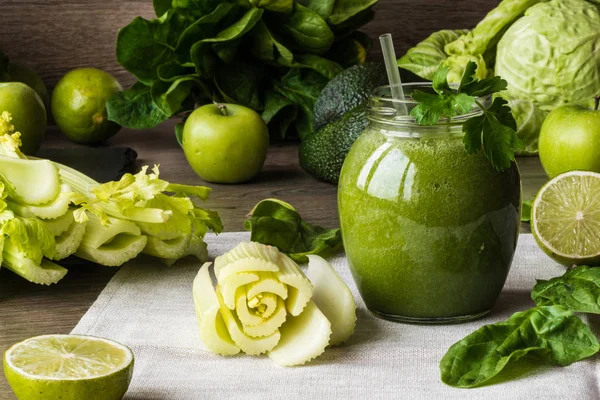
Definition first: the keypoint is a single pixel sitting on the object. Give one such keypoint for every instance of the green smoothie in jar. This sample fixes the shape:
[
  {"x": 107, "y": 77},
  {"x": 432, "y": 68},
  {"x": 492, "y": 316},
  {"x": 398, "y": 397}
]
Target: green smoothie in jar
[{"x": 429, "y": 230}]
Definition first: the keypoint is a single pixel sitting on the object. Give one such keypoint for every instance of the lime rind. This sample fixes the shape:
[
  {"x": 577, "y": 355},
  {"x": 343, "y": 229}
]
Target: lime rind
[{"x": 566, "y": 218}]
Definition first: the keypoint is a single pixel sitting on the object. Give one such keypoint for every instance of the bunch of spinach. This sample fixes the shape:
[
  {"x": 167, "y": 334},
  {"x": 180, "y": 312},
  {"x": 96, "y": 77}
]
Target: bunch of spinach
[
  {"x": 550, "y": 331},
  {"x": 274, "y": 56}
]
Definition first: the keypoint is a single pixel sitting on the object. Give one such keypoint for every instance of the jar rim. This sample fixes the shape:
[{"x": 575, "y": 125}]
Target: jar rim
[{"x": 383, "y": 108}]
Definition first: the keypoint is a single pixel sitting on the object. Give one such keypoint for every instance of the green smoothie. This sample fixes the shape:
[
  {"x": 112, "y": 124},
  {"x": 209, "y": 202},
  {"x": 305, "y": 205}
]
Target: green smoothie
[{"x": 429, "y": 230}]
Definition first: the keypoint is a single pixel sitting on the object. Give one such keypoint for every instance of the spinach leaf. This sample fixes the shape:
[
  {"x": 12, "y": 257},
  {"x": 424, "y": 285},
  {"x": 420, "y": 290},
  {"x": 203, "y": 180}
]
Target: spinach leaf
[
  {"x": 205, "y": 27},
  {"x": 179, "y": 132},
  {"x": 308, "y": 30},
  {"x": 329, "y": 69},
  {"x": 265, "y": 46},
  {"x": 302, "y": 87},
  {"x": 239, "y": 82},
  {"x": 142, "y": 46},
  {"x": 169, "y": 97},
  {"x": 352, "y": 24},
  {"x": 161, "y": 6},
  {"x": 279, "y": 113},
  {"x": 201, "y": 53},
  {"x": 277, "y": 223},
  {"x": 578, "y": 290},
  {"x": 552, "y": 333},
  {"x": 134, "y": 108},
  {"x": 282, "y": 6},
  {"x": 322, "y": 7},
  {"x": 347, "y": 9}
]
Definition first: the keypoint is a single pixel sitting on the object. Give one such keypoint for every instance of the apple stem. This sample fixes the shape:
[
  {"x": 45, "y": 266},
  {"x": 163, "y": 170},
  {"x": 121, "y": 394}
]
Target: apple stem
[
  {"x": 597, "y": 102},
  {"x": 222, "y": 108}
]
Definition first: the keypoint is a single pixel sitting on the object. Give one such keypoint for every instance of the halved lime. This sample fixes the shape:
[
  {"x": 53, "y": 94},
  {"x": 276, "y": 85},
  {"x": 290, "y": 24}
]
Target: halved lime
[
  {"x": 565, "y": 218},
  {"x": 68, "y": 367}
]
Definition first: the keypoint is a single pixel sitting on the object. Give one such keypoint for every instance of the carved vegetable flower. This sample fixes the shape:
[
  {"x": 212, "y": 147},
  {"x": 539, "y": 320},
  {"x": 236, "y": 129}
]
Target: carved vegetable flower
[{"x": 263, "y": 303}]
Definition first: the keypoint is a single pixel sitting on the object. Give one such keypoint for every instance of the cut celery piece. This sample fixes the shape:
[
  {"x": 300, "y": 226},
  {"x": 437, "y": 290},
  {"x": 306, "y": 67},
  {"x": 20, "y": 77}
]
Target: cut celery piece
[
  {"x": 213, "y": 332},
  {"x": 55, "y": 209},
  {"x": 172, "y": 248},
  {"x": 244, "y": 265},
  {"x": 68, "y": 242},
  {"x": 248, "y": 344},
  {"x": 115, "y": 253},
  {"x": 111, "y": 245},
  {"x": 267, "y": 283},
  {"x": 302, "y": 338},
  {"x": 248, "y": 250},
  {"x": 299, "y": 287},
  {"x": 61, "y": 224},
  {"x": 267, "y": 326},
  {"x": 230, "y": 286},
  {"x": 196, "y": 248},
  {"x": 97, "y": 234},
  {"x": 30, "y": 181},
  {"x": 43, "y": 273},
  {"x": 333, "y": 297}
]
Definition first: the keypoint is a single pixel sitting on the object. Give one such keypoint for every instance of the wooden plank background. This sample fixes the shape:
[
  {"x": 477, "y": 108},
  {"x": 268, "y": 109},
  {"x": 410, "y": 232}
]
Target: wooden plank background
[{"x": 54, "y": 36}]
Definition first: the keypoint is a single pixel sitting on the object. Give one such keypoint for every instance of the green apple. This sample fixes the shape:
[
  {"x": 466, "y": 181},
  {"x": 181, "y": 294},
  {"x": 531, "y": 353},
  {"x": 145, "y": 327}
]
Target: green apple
[
  {"x": 570, "y": 140},
  {"x": 225, "y": 143}
]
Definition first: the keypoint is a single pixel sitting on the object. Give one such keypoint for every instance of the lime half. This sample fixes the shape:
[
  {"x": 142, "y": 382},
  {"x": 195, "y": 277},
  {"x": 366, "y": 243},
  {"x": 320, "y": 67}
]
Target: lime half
[
  {"x": 565, "y": 218},
  {"x": 68, "y": 367}
]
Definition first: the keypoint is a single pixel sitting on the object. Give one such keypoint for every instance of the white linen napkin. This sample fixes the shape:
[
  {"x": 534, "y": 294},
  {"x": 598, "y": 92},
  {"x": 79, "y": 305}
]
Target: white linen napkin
[{"x": 149, "y": 308}]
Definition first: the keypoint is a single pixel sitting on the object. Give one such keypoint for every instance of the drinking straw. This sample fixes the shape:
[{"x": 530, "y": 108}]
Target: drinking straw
[{"x": 391, "y": 65}]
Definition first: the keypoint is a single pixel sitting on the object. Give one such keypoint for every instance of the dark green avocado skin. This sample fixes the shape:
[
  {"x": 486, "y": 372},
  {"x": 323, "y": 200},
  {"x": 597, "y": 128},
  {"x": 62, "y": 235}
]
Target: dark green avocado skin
[
  {"x": 322, "y": 154},
  {"x": 339, "y": 119},
  {"x": 346, "y": 91}
]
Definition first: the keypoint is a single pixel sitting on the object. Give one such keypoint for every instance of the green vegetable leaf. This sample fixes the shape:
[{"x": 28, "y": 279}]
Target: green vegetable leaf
[
  {"x": 134, "y": 108},
  {"x": 31, "y": 237},
  {"x": 239, "y": 83},
  {"x": 309, "y": 31},
  {"x": 170, "y": 97},
  {"x": 552, "y": 333},
  {"x": 277, "y": 223},
  {"x": 578, "y": 290},
  {"x": 347, "y": 9},
  {"x": 494, "y": 132},
  {"x": 480, "y": 87},
  {"x": 425, "y": 58},
  {"x": 302, "y": 87},
  {"x": 282, "y": 6},
  {"x": 526, "y": 211},
  {"x": 161, "y": 6},
  {"x": 179, "y": 132},
  {"x": 322, "y": 7},
  {"x": 265, "y": 46}
]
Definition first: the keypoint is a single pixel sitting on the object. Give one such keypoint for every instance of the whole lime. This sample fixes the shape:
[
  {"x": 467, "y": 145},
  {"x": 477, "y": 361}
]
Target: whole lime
[
  {"x": 28, "y": 114},
  {"x": 23, "y": 74},
  {"x": 570, "y": 140},
  {"x": 79, "y": 105},
  {"x": 225, "y": 143}
]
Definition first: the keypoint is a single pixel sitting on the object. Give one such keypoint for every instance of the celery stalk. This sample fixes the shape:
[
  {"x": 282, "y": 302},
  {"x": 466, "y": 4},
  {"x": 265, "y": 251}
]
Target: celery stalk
[
  {"x": 248, "y": 344},
  {"x": 196, "y": 248},
  {"x": 43, "y": 273},
  {"x": 55, "y": 209},
  {"x": 299, "y": 288},
  {"x": 302, "y": 338},
  {"x": 333, "y": 297},
  {"x": 267, "y": 326},
  {"x": 68, "y": 242},
  {"x": 213, "y": 330},
  {"x": 173, "y": 248},
  {"x": 111, "y": 245},
  {"x": 60, "y": 225},
  {"x": 30, "y": 181}
]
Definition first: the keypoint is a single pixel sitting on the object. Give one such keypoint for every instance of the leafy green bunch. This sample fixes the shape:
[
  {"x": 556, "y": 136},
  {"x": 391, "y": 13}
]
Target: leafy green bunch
[
  {"x": 274, "y": 56},
  {"x": 494, "y": 132}
]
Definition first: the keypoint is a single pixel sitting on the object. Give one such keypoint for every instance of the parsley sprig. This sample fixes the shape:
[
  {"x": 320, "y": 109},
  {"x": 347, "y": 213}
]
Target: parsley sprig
[{"x": 494, "y": 131}]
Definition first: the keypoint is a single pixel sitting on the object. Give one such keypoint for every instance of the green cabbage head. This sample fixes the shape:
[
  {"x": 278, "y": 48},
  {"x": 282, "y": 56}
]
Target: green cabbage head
[{"x": 550, "y": 57}]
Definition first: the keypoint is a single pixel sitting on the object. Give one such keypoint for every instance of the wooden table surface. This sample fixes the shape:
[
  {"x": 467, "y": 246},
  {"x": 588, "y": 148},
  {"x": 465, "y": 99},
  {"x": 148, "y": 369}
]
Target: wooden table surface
[{"x": 28, "y": 310}]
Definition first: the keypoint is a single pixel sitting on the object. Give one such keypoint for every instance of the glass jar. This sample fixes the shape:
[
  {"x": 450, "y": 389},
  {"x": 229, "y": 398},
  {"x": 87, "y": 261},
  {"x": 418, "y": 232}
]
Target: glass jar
[{"x": 429, "y": 230}]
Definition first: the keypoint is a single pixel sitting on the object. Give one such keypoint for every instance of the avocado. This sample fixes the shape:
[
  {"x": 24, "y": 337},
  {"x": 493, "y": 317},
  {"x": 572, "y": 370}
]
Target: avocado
[
  {"x": 322, "y": 154},
  {"x": 346, "y": 91}
]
